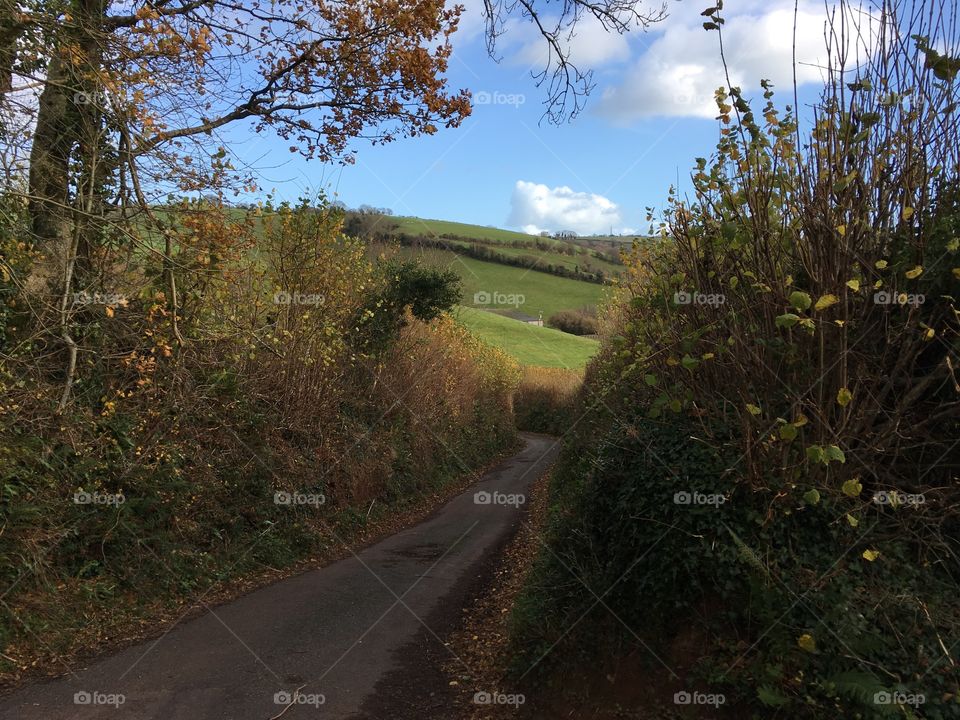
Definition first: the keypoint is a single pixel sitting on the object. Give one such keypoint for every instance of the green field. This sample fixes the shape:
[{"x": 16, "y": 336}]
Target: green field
[
  {"x": 530, "y": 344},
  {"x": 420, "y": 226},
  {"x": 540, "y": 292}
]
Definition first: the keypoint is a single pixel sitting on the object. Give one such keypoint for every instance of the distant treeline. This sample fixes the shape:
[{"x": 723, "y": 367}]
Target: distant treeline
[
  {"x": 472, "y": 248},
  {"x": 376, "y": 227}
]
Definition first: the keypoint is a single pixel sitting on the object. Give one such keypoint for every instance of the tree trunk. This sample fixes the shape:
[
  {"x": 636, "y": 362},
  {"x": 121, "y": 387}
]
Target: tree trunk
[{"x": 53, "y": 140}]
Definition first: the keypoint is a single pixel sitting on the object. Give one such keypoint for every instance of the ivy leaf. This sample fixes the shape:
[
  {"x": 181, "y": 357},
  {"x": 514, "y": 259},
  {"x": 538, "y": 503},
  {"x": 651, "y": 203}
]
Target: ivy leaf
[
  {"x": 812, "y": 497},
  {"x": 871, "y": 555},
  {"x": 800, "y": 300},
  {"x": 826, "y": 301},
  {"x": 806, "y": 642},
  {"x": 844, "y": 396},
  {"x": 815, "y": 454}
]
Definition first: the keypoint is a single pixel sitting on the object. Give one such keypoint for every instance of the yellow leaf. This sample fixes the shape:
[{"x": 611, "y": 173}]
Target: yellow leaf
[
  {"x": 852, "y": 520},
  {"x": 806, "y": 642},
  {"x": 880, "y": 264},
  {"x": 840, "y": 323},
  {"x": 852, "y": 488},
  {"x": 109, "y": 311},
  {"x": 825, "y": 301},
  {"x": 854, "y": 285},
  {"x": 842, "y": 229},
  {"x": 915, "y": 272},
  {"x": 929, "y": 334},
  {"x": 907, "y": 213},
  {"x": 871, "y": 555},
  {"x": 956, "y": 273},
  {"x": 844, "y": 396},
  {"x": 753, "y": 409}
]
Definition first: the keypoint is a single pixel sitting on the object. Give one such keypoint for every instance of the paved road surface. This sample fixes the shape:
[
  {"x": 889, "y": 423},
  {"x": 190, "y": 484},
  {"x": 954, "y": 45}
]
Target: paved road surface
[{"x": 335, "y": 631}]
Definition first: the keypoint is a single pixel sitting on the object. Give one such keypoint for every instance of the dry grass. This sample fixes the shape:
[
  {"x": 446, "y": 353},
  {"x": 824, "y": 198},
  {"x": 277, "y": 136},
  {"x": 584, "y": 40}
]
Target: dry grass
[{"x": 545, "y": 399}]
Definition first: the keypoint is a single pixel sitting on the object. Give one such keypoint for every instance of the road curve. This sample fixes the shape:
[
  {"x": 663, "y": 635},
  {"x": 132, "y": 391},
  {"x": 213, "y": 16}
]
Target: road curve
[{"x": 331, "y": 634}]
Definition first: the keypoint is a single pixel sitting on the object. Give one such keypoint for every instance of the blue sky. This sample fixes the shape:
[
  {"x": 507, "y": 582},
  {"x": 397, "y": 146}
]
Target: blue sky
[{"x": 649, "y": 116}]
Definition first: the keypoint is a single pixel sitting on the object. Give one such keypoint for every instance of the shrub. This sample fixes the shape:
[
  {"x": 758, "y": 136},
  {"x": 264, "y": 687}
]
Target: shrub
[
  {"x": 269, "y": 393},
  {"x": 791, "y": 343},
  {"x": 575, "y": 322}
]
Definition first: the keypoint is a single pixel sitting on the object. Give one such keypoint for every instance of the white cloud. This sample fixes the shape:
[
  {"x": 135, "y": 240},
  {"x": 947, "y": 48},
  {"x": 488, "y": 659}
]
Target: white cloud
[
  {"x": 536, "y": 207},
  {"x": 680, "y": 71},
  {"x": 591, "y": 46}
]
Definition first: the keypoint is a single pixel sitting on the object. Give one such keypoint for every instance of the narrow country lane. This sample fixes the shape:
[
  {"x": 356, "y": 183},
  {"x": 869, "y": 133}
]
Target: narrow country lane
[{"x": 331, "y": 634}]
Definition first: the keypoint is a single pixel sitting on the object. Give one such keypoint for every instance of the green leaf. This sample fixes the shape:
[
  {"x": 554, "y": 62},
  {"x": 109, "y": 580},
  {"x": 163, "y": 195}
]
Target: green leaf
[
  {"x": 788, "y": 432},
  {"x": 800, "y": 300},
  {"x": 832, "y": 452},
  {"x": 753, "y": 409},
  {"x": 806, "y": 642},
  {"x": 844, "y": 396},
  {"x": 812, "y": 497},
  {"x": 787, "y": 320},
  {"x": 689, "y": 362},
  {"x": 650, "y": 380},
  {"x": 815, "y": 454},
  {"x": 771, "y": 697}
]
